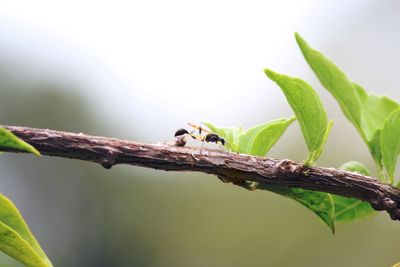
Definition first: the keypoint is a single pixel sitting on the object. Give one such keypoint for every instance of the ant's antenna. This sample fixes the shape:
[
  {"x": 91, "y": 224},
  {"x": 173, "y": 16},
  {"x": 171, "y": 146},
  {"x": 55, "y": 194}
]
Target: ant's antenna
[{"x": 228, "y": 146}]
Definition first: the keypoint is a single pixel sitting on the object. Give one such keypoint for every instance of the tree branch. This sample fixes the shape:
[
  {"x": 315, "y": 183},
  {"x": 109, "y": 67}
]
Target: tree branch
[{"x": 229, "y": 167}]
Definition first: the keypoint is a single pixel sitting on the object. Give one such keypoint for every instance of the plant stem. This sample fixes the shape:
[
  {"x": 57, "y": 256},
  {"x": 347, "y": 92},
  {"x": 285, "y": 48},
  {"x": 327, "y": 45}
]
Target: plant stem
[{"x": 229, "y": 167}]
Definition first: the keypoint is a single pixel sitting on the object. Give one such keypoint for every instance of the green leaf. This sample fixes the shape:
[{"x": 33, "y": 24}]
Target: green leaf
[
  {"x": 259, "y": 139},
  {"x": 309, "y": 111},
  {"x": 374, "y": 110},
  {"x": 374, "y": 146},
  {"x": 317, "y": 153},
  {"x": 318, "y": 202},
  {"x": 16, "y": 239},
  {"x": 357, "y": 167},
  {"x": 9, "y": 140},
  {"x": 334, "y": 80},
  {"x": 350, "y": 209},
  {"x": 367, "y": 112},
  {"x": 390, "y": 143}
]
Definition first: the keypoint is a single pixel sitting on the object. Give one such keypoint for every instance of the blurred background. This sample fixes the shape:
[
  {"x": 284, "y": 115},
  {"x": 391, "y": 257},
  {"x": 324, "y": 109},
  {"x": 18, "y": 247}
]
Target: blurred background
[{"x": 139, "y": 70}]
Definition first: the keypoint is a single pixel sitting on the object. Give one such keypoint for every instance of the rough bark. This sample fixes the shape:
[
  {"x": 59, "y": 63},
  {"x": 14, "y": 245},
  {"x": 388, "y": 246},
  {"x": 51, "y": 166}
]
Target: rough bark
[{"x": 229, "y": 167}]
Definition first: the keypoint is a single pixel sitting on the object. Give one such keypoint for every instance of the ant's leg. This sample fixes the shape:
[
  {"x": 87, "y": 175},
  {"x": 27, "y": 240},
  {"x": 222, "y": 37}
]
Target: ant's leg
[
  {"x": 220, "y": 146},
  {"x": 202, "y": 146},
  {"x": 226, "y": 149}
]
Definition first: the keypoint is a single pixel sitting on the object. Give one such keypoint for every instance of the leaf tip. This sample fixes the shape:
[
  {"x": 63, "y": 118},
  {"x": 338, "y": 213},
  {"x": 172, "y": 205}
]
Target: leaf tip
[
  {"x": 35, "y": 152},
  {"x": 271, "y": 74},
  {"x": 300, "y": 41},
  {"x": 32, "y": 149},
  {"x": 266, "y": 70}
]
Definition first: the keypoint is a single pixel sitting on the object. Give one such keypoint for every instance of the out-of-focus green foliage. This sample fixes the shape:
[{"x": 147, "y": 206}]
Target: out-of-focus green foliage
[
  {"x": 16, "y": 239},
  {"x": 8, "y": 139},
  {"x": 350, "y": 209},
  {"x": 309, "y": 111},
  {"x": 367, "y": 112},
  {"x": 257, "y": 141}
]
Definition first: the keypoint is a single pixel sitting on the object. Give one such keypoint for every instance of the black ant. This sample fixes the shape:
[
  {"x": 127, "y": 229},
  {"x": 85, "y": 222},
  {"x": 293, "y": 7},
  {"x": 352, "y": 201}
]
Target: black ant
[{"x": 181, "y": 135}]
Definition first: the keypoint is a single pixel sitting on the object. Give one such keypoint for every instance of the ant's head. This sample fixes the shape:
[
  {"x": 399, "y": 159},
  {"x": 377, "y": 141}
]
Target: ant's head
[{"x": 222, "y": 140}]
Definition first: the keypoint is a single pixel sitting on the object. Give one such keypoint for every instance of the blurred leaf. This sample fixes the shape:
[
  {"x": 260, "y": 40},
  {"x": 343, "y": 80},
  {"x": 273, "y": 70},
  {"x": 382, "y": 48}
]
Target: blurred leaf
[
  {"x": 309, "y": 111},
  {"x": 259, "y": 139},
  {"x": 16, "y": 239},
  {"x": 9, "y": 140},
  {"x": 350, "y": 209},
  {"x": 375, "y": 109},
  {"x": 357, "y": 167},
  {"x": 396, "y": 265},
  {"x": 366, "y": 112},
  {"x": 390, "y": 143}
]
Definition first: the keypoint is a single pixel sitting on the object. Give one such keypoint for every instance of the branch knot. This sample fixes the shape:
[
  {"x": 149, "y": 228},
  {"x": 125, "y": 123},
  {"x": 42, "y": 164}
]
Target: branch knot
[
  {"x": 109, "y": 160},
  {"x": 287, "y": 167}
]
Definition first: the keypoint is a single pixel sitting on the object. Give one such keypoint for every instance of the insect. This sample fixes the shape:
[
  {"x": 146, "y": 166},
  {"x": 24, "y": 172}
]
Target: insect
[{"x": 210, "y": 137}]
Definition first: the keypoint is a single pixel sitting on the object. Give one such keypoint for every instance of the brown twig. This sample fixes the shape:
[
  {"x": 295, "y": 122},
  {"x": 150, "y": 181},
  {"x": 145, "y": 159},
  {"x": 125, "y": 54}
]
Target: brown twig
[{"x": 232, "y": 167}]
